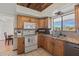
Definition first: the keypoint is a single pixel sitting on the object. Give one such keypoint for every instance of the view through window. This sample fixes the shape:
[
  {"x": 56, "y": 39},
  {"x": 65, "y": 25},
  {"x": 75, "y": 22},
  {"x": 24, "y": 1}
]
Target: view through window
[
  {"x": 69, "y": 22},
  {"x": 57, "y": 24}
]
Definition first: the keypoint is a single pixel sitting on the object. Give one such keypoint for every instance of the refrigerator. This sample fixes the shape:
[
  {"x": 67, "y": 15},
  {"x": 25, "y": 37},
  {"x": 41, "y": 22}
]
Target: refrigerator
[{"x": 30, "y": 35}]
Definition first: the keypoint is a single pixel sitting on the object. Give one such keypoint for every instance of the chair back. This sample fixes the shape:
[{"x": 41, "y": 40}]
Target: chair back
[{"x": 5, "y": 35}]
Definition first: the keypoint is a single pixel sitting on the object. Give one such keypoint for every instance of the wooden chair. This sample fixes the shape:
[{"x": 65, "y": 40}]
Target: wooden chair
[{"x": 7, "y": 38}]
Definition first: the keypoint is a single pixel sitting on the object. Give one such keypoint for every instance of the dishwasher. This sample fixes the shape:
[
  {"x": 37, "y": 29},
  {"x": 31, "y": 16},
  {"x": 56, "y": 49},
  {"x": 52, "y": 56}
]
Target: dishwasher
[{"x": 71, "y": 49}]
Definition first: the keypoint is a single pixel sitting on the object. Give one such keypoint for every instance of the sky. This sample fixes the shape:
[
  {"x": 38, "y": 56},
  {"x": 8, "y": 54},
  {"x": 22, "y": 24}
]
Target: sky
[{"x": 69, "y": 22}]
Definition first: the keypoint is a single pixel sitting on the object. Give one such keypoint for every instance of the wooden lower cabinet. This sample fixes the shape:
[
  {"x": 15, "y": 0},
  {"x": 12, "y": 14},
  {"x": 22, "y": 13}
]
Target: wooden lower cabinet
[
  {"x": 50, "y": 45},
  {"x": 58, "y": 48},
  {"x": 40, "y": 40},
  {"x": 20, "y": 45},
  {"x": 53, "y": 46},
  {"x": 45, "y": 43}
]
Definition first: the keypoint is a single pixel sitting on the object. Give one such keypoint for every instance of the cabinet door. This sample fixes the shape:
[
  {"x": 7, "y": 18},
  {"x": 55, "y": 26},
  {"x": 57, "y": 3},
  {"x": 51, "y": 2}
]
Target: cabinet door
[
  {"x": 45, "y": 43},
  {"x": 41, "y": 23},
  {"x": 25, "y": 19},
  {"x": 19, "y": 22},
  {"x": 20, "y": 45},
  {"x": 50, "y": 45},
  {"x": 41, "y": 40},
  {"x": 46, "y": 23},
  {"x": 33, "y": 20},
  {"x": 59, "y": 48}
]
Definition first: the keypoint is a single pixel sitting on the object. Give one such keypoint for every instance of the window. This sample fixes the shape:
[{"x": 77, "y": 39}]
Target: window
[
  {"x": 50, "y": 23},
  {"x": 69, "y": 22},
  {"x": 57, "y": 24}
]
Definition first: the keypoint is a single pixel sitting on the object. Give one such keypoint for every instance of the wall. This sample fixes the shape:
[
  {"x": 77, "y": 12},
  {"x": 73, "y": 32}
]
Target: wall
[
  {"x": 6, "y": 25},
  {"x": 7, "y": 20}
]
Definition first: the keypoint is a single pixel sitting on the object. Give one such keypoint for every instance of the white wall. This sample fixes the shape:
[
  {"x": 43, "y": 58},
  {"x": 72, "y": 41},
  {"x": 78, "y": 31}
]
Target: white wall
[
  {"x": 7, "y": 19},
  {"x": 6, "y": 25},
  {"x": 8, "y": 8}
]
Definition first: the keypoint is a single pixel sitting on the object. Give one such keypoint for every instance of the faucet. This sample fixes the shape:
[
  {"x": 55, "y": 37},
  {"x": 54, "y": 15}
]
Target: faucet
[{"x": 61, "y": 34}]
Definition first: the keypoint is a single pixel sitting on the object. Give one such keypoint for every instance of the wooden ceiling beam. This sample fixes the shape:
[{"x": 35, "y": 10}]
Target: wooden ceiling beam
[{"x": 35, "y": 6}]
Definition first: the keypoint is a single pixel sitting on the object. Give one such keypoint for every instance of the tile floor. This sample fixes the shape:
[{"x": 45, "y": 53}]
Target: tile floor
[
  {"x": 6, "y": 50},
  {"x": 37, "y": 52}
]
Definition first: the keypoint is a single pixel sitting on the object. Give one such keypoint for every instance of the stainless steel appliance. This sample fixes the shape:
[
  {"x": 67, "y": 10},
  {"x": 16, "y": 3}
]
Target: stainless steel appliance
[
  {"x": 71, "y": 49},
  {"x": 30, "y": 36}
]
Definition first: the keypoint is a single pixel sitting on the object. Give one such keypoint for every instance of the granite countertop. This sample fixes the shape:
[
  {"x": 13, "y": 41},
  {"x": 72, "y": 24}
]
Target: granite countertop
[{"x": 68, "y": 39}]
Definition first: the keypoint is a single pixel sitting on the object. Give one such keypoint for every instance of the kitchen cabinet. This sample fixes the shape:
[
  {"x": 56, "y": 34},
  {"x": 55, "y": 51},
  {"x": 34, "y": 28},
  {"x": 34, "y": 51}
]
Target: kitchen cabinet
[
  {"x": 50, "y": 45},
  {"x": 46, "y": 23},
  {"x": 25, "y": 19},
  {"x": 21, "y": 19},
  {"x": 77, "y": 17},
  {"x": 40, "y": 22},
  {"x": 45, "y": 43},
  {"x": 20, "y": 45},
  {"x": 33, "y": 20},
  {"x": 58, "y": 48},
  {"x": 53, "y": 46},
  {"x": 19, "y": 22},
  {"x": 41, "y": 40},
  {"x": 43, "y": 23}
]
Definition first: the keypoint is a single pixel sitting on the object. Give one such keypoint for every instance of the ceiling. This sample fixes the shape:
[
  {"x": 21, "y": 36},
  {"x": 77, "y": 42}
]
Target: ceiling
[
  {"x": 48, "y": 12},
  {"x": 36, "y": 6}
]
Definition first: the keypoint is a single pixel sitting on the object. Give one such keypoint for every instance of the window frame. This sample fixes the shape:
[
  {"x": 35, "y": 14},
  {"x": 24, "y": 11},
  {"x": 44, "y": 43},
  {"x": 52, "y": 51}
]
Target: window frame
[
  {"x": 62, "y": 22},
  {"x": 74, "y": 22}
]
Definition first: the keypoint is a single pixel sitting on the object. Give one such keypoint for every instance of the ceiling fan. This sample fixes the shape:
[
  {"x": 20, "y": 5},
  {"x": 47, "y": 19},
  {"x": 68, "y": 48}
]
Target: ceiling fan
[{"x": 59, "y": 13}]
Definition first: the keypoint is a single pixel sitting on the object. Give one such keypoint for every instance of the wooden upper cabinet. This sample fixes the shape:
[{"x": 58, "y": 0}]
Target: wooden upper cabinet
[
  {"x": 77, "y": 16},
  {"x": 42, "y": 23},
  {"x": 33, "y": 20},
  {"x": 19, "y": 22},
  {"x": 25, "y": 19},
  {"x": 22, "y": 19},
  {"x": 46, "y": 22}
]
